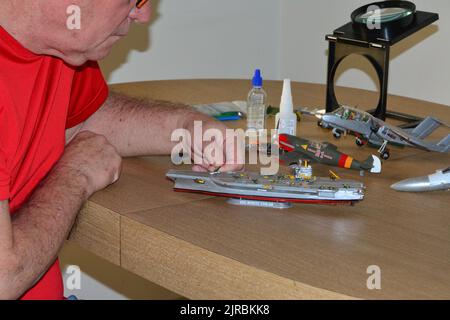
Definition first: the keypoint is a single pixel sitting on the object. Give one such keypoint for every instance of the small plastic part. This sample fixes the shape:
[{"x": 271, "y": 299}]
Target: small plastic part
[{"x": 229, "y": 116}]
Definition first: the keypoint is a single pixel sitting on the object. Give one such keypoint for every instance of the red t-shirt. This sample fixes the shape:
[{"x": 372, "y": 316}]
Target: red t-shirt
[{"x": 40, "y": 97}]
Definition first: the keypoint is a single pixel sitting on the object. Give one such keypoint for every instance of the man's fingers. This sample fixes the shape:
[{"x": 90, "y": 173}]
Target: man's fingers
[
  {"x": 219, "y": 154},
  {"x": 198, "y": 168},
  {"x": 118, "y": 173},
  {"x": 231, "y": 168},
  {"x": 213, "y": 156}
]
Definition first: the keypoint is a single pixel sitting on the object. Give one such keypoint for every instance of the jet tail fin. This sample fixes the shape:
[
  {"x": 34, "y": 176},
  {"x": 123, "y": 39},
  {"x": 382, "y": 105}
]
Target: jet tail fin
[
  {"x": 373, "y": 164},
  {"x": 426, "y": 127}
]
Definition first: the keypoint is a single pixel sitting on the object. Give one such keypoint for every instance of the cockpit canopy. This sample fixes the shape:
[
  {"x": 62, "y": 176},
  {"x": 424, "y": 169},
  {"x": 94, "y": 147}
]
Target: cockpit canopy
[{"x": 347, "y": 113}]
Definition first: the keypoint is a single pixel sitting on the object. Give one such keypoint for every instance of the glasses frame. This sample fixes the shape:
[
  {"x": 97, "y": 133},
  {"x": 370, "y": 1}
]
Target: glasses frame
[{"x": 140, "y": 3}]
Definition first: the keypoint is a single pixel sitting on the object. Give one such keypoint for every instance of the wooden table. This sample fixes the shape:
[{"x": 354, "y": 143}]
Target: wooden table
[{"x": 203, "y": 248}]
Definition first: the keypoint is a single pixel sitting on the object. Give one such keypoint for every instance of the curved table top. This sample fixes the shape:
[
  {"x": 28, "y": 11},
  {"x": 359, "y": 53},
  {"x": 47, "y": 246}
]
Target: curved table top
[{"x": 203, "y": 248}]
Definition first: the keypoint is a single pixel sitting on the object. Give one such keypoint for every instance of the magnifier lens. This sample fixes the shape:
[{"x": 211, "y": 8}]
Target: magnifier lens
[{"x": 384, "y": 15}]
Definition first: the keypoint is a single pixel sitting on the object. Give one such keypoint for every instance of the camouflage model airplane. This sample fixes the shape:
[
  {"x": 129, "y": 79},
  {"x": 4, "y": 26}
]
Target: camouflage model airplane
[
  {"x": 294, "y": 149},
  {"x": 369, "y": 129}
]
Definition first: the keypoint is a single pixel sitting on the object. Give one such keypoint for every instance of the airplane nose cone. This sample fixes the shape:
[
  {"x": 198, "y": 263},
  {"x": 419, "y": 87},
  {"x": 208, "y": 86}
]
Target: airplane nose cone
[{"x": 412, "y": 185}]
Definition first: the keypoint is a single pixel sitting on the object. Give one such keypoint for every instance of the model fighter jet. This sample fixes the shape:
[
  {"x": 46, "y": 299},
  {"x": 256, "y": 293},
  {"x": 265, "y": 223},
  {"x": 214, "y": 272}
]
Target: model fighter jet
[
  {"x": 294, "y": 149},
  {"x": 369, "y": 129},
  {"x": 440, "y": 180}
]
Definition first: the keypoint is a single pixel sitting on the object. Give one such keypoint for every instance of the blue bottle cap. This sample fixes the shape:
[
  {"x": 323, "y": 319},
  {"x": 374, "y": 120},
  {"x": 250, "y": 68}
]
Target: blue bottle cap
[{"x": 257, "y": 79}]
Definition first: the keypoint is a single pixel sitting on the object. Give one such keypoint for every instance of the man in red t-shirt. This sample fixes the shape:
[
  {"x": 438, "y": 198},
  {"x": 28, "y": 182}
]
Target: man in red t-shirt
[{"x": 62, "y": 134}]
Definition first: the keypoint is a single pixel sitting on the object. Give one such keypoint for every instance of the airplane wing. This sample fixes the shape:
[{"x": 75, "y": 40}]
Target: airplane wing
[
  {"x": 417, "y": 140},
  {"x": 329, "y": 145},
  {"x": 427, "y": 127},
  {"x": 408, "y": 138},
  {"x": 293, "y": 157}
]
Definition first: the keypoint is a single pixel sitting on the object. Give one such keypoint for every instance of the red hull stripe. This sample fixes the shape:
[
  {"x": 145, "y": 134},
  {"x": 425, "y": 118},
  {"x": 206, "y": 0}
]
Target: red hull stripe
[{"x": 259, "y": 198}]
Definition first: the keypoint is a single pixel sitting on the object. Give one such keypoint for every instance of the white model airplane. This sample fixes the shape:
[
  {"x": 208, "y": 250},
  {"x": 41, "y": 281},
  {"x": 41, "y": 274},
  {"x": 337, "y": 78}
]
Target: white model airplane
[{"x": 434, "y": 182}]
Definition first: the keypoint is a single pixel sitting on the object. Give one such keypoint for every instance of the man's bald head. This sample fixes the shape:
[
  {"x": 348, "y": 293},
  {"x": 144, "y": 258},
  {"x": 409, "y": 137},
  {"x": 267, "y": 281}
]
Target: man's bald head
[{"x": 42, "y": 26}]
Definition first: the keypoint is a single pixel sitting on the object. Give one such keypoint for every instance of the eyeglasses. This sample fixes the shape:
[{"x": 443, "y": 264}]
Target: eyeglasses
[{"x": 140, "y": 3}]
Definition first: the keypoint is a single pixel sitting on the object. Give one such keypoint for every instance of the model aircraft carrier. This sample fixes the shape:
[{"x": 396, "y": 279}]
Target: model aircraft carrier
[{"x": 277, "y": 188}]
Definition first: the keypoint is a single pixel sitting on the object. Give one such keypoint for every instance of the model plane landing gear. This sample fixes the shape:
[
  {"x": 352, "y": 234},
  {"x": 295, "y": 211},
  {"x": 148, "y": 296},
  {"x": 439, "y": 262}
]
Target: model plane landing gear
[
  {"x": 384, "y": 151},
  {"x": 337, "y": 133},
  {"x": 360, "y": 142}
]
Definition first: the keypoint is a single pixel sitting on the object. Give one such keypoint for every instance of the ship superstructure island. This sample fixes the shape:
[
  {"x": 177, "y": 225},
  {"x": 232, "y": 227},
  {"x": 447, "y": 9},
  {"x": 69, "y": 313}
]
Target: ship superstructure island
[{"x": 280, "y": 188}]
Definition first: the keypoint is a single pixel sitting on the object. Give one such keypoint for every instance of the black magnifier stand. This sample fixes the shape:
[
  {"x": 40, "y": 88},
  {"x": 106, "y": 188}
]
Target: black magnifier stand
[{"x": 374, "y": 42}]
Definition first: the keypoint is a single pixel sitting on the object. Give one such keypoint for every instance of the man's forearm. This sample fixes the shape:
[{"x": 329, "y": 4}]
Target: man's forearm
[
  {"x": 137, "y": 127},
  {"x": 39, "y": 229}
]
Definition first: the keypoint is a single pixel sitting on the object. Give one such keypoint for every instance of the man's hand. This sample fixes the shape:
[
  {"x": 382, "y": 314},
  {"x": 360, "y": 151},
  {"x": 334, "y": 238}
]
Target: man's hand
[
  {"x": 229, "y": 159},
  {"x": 31, "y": 239},
  {"x": 94, "y": 157}
]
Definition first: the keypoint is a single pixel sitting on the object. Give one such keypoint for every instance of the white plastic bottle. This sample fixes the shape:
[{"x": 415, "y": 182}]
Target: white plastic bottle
[
  {"x": 256, "y": 105},
  {"x": 286, "y": 119}
]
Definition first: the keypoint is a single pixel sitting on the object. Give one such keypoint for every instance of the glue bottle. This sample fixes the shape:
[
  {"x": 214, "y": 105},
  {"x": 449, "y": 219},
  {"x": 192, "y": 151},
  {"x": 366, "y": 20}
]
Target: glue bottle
[
  {"x": 256, "y": 105},
  {"x": 286, "y": 119}
]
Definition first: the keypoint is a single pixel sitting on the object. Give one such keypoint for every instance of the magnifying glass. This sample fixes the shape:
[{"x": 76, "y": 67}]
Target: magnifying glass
[{"x": 386, "y": 13}]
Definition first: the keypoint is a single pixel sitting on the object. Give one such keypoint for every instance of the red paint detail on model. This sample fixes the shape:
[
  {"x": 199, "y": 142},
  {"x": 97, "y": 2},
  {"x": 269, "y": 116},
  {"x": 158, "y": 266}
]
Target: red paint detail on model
[
  {"x": 284, "y": 142},
  {"x": 342, "y": 159}
]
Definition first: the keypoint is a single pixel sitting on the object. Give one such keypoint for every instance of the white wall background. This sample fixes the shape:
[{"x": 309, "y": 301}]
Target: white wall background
[
  {"x": 200, "y": 39},
  {"x": 419, "y": 64},
  {"x": 230, "y": 38}
]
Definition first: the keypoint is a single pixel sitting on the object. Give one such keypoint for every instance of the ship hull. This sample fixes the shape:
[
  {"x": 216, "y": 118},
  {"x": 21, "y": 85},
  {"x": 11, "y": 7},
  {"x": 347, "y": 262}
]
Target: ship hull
[
  {"x": 270, "y": 199},
  {"x": 279, "y": 188}
]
